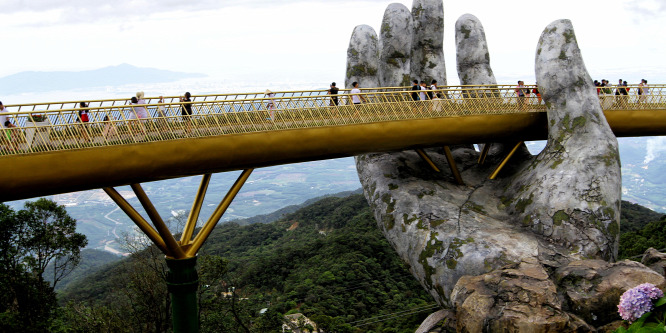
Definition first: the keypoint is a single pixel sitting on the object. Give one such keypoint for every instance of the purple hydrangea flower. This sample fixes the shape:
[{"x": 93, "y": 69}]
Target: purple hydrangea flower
[{"x": 637, "y": 301}]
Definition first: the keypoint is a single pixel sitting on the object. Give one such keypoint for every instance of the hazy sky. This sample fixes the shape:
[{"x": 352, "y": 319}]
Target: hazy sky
[{"x": 307, "y": 40}]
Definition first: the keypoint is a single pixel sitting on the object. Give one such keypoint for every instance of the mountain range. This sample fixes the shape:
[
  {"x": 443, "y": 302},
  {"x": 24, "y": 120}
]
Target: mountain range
[{"x": 33, "y": 81}]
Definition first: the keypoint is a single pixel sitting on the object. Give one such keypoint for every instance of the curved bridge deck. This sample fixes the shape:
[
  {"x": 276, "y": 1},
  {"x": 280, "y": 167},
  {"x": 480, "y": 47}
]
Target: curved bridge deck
[{"x": 51, "y": 152}]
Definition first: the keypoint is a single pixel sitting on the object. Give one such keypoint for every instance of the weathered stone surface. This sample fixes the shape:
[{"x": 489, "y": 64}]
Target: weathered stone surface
[
  {"x": 517, "y": 298},
  {"x": 433, "y": 319},
  {"x": 571, "y": 193},
  {"x": 362, "y": 57},
  {"x": 427, "y": 61},
  {"x": 505, "y": 255},
  {"x": 592, "y": 288},
  {"x": 395, "y": 46},
  {"x": 473, "y": 63},
  {"x": 655, "y": 260},
  {"x": 472, "y": 56}
]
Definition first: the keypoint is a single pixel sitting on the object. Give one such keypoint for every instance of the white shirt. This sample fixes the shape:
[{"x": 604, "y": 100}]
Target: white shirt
[
  {"x": 356, "y": 99},
  {"x": 141, "y": 111},
  {"x": 3, "y": 117},
  {"x": 423, "y": 94}
]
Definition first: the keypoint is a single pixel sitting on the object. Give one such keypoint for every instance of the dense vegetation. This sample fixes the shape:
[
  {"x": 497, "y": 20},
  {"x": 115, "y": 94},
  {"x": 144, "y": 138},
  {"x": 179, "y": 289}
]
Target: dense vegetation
[
  {"x": 327, "y": 260},
  {"x": 39, "y": 235}
]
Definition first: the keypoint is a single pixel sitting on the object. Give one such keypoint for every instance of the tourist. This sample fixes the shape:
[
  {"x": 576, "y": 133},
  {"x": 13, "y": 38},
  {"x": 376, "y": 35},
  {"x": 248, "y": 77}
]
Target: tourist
[
  {"x": 270, "y": 105},
  {"x": 598, "y": 85},
  {"x": 141, "y": 111},
  {"x": 84, "y": 118},
  {"x": 643, "y": 91},
  {"x": 356, "y": 96},
  {"x": 334, "y": 94},
  {"x": 186, "y": 110},
  {"x": 422, "y": 95},
  {"x": 624, "y": 93},
  {"x": 6, "y": 123},
  {"x": 433, "y": 88},
  {"x": 520, "y": 92},
  {"x": 162, "y": 121},
  {"x": 138, "y": 112},
  {"x": 538, "y": 93},
  {"x": 619, "y": 88},
  {"x": 109, "y": 128},
  {"x": 415, "y": 87}
]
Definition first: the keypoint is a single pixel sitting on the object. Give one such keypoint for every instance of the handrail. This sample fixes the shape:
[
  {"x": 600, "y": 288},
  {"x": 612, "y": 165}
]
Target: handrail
[{"x": 64, "y": 130}]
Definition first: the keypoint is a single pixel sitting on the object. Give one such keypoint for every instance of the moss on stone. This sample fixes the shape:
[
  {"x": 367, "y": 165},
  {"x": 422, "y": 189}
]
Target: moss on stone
[
  {"x": 409, "y": 220},
  {"x": 560, "y": 216},
  {"x": 431, "y": 65},
  {"x": 361, "y": 70},
  {"x": 386, "y": 30},
  {"x": 390, "y": 203},
  {"x": 393, "y": 62},
  {"x": 392, "y": 187},
  {"x": 521, "y": 204},
  {"x": 404, "y": 228},
  {"x": 569, "y": 36},
  {"x": 476, "y": 207},
  {"x": 614, "y": 228},
  {"x": 431, "y": 247},
  {"x": 465, "y": 31},
  {"x": 613, "y": 156},
  {"x": 563, "y": 55},
  {"x": 389, "y": 221},
  {"x": 578, "y": 122},
  {"x": 556, "y": 162},
  {"x": 405, "y": 80},
  {"x": 436, "y": 223},
  {"x": 580, "y": 82}
]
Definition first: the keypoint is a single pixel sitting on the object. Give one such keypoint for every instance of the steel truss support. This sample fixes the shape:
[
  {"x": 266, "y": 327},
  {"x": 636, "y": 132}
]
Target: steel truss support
[
  {"x": 427, "y": 159},
  {"x": 449, "y": 158},
  {"x": 452, "y": 165},
  {"x": 484, "y": 153},
  {"x": 182, "y": 278},
  {"x": 505, "y": 160}
]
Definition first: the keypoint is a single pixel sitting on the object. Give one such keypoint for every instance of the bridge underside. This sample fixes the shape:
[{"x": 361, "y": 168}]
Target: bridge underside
[{"x": 39, "y": 174}]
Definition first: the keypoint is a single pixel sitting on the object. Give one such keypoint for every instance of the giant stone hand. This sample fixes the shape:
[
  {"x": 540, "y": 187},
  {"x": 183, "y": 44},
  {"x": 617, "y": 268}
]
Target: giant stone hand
[{"x": 500, "y": 252}]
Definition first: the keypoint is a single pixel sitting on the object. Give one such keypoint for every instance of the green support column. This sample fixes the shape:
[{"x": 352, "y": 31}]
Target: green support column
[{"x": 183, "y": 281}]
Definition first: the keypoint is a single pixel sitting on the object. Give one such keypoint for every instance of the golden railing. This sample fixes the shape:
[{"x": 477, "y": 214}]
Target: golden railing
[{"x": 43, "y": 127}]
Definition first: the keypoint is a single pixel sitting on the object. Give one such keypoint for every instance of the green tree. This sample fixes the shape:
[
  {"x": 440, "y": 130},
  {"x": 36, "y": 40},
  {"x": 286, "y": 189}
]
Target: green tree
[{"x": 40, "y": 234}]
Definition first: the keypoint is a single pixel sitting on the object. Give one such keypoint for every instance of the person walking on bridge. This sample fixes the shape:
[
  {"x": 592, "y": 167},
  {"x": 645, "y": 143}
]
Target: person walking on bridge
[
  {"x": 270, "y": 105},
  {"x": 6, "y": 124},
  {"x": 356, "y": 97},
  {"x": 334, "y": 94},
  {"x": 521, "y": 92},
  {"x": 186, "y": 111}
]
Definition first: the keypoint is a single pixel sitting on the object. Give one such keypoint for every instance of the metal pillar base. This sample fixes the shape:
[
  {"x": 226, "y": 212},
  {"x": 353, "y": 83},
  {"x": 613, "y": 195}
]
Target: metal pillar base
[{"x": 182, "y": 283}]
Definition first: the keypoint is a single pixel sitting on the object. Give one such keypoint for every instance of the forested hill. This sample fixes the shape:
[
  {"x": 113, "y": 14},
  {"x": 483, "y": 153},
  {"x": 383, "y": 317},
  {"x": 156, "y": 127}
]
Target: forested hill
[{"x": 327, "y": 260}]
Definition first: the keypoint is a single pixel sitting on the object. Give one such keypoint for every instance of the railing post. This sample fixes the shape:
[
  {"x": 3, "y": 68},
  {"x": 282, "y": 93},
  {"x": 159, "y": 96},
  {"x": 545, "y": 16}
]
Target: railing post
[{"x": 182, "y": 283}]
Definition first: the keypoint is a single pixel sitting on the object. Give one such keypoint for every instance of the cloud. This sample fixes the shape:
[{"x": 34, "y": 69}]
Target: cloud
[
  {"x": 646, "y": 8},
  {"x": 85, "y": 11}
]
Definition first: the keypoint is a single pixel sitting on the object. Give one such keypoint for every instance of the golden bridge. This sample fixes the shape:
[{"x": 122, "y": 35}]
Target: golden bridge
[{"x": 52, "y": 151}]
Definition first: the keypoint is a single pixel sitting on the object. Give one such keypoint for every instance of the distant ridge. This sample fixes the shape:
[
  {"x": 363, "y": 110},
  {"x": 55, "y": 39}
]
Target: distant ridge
[{"x": 31, "y": 81}]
